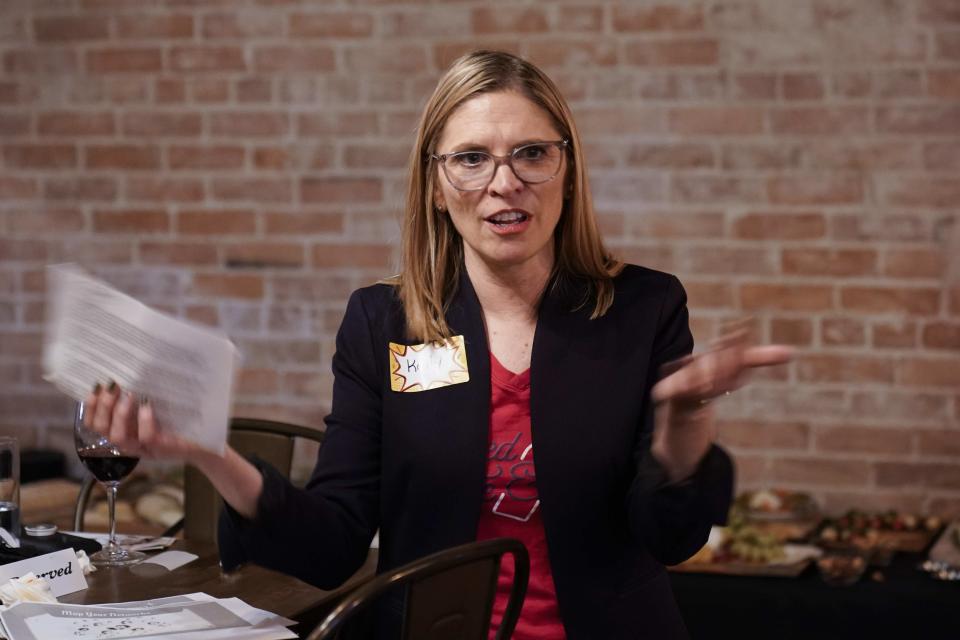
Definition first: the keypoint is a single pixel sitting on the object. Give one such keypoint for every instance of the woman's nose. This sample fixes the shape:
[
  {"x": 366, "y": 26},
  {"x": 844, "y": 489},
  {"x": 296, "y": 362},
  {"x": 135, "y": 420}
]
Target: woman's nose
[{"x": 505, "y": 179}]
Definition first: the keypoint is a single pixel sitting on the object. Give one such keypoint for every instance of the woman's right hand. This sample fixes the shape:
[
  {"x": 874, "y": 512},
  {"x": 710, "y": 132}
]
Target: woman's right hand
[{"x": 129, "y": 422}]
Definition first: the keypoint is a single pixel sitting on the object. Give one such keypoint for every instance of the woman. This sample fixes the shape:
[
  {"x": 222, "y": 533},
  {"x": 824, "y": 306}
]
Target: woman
[{"x": 510, "y": 332}]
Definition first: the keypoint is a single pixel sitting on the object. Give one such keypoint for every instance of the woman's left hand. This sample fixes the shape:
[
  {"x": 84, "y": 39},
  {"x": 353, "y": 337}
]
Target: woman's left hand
[{"x": 684, "y": 415}]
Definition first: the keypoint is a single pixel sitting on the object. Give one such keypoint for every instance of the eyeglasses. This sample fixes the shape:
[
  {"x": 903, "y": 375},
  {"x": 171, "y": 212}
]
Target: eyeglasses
[{"x": 532, "y": 164}]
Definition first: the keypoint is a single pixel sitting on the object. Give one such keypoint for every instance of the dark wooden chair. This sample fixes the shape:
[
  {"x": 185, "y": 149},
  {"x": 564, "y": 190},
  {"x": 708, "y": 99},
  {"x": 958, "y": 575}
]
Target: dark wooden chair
[
  {"x": 270, "y": 440},
  {"x": 449, "y": 594}
]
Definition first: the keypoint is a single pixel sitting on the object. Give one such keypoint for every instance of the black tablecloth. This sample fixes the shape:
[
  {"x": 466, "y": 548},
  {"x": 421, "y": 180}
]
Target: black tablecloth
[{"x": 907, "y": 603}]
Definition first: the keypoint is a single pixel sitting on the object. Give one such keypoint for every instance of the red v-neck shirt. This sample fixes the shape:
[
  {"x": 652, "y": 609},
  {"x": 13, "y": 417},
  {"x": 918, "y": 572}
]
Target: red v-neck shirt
[{"x": 511, "y": 505}]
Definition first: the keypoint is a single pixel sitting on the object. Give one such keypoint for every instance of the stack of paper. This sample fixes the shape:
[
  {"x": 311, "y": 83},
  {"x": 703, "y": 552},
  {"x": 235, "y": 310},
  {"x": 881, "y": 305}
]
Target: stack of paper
[{"x": 196, "y": 616}]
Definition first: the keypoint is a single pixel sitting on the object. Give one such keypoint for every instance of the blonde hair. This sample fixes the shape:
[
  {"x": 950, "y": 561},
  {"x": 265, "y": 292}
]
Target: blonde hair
[{"x": 432, "y": 250}]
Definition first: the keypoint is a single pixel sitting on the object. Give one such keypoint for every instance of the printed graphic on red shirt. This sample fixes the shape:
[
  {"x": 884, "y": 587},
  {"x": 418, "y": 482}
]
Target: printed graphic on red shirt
[{"x": 511, "y": 480}]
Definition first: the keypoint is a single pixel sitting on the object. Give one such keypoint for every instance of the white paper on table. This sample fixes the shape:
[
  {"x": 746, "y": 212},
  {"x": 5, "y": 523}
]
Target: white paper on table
[
  {"x": 171, "y": 559},
  {"x": 61, "y": 569},
  {"x": 128, "y": 541},
  {"x": 95, "y": 333}
]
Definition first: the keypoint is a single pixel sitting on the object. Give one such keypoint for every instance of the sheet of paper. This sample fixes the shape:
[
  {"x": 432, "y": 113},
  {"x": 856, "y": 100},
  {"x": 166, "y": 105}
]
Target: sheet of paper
[
  {"x": 60, "y": 568},
  {"x": 171, "y": 559},
  {"x": 95, "y": 333},
  {"x": 191, "y": 617}
]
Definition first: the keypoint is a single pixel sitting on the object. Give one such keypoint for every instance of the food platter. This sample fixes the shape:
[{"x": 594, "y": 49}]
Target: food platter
[{"x": 797, "y": 559}]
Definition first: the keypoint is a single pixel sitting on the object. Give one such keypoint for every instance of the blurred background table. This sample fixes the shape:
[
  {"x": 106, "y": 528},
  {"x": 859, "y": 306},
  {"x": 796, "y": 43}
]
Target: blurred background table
[{"x": 906, "y": 603}]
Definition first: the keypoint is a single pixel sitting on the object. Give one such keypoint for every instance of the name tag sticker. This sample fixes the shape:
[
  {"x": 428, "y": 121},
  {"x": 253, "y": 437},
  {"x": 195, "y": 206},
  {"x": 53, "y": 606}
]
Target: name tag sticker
[
  {"x": 60, "y": 568},
  {"x": 421, "y": 367}
]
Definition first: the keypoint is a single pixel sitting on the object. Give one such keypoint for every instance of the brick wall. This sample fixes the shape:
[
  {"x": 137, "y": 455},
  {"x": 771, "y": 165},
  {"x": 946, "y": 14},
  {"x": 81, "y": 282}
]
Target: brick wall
[{"x": 241, "y": 163}]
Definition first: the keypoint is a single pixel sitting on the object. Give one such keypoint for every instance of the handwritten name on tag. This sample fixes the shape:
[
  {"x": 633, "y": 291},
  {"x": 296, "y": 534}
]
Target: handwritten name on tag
[
  {"x": 60, "y": 568},
  {"x": 421, "y": 367}
]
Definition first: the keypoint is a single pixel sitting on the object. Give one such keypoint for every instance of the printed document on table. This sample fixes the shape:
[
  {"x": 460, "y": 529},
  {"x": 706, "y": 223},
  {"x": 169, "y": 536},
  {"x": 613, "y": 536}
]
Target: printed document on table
[
  {"x": 95, "y": 333},
  {"x": 195, "y": 616}
]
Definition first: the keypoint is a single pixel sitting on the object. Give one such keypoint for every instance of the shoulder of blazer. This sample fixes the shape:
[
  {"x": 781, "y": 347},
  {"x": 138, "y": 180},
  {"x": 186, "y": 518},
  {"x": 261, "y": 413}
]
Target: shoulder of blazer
[
  {"x": 383, "y": 309},
  {"x": 636, "y": 284}
]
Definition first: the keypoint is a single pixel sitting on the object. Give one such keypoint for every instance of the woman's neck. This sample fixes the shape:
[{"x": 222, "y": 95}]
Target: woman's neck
[{"x": 512, "y": 291}]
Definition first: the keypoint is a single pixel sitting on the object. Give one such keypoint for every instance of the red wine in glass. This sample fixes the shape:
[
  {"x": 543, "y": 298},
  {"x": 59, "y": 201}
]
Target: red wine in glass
[{"x": 106, "y": 465}]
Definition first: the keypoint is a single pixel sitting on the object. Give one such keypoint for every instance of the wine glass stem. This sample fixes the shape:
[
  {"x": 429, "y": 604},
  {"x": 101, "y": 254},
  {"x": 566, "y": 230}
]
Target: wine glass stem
[{"x": 112, "y": 504}]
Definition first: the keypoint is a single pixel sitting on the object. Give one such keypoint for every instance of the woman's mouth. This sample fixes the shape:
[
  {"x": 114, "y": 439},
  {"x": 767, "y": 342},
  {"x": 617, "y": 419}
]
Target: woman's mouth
[{"x": 508, "y": 221}]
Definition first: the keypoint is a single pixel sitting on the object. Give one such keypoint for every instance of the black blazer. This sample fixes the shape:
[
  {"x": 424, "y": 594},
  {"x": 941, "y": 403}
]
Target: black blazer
[{"x": 414, "y": 464}]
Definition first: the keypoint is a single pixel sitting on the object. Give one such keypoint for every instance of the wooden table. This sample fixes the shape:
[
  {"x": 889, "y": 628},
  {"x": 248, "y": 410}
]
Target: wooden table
[{"x": 255, "y": 585}]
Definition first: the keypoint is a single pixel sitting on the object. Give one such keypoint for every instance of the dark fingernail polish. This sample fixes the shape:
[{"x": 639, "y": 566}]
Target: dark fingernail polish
[
  {"x": 144, "y": 401},
  {"x": 112, "y": 386},
  {"x": 96, "y": 388}
]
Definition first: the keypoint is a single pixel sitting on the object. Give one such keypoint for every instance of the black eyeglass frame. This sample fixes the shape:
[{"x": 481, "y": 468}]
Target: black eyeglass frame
[{"x": 563, "y": 145}]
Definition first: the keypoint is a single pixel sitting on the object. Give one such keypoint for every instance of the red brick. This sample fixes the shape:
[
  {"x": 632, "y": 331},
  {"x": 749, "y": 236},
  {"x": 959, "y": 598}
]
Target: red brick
[
  {"x": 829, "y": 262},
  {"x": 80, "y": 189},
  {"x": 165, "y": 189},
  {"x": 938, "y": 13},
  {"x": 341, "y": 190},
  {"x": 257, "y": 381},
  {"x": 14, "y": 124},
  {"x": 178, "y": 253},
  {"x": 938, "y": 443},
  {"x": 216, "y": 221},
  {"x": 210, "y": 90},
  {"x": 709, "y": 189},
  {"x": 780, "y": 226},
  {"x": 621, "y": 122},
  {"x": 676, "y": 224},
  {"x": 354, "y": 256},
  {"x": 898, "y": 84},
  {"x": 852, "y": 84},
  {"x": 820, "y": 121},
  {"x": 564, "y": 53},
  {"x": 21, "y": 250},
  {"x": 716, "y": 120},
  {"x": 844, "y": 368},
  {"x": 822, "y": 189},
  {"x": 248, "y": 286},
  {"x": 670, "y": 156},
  {"x": 756, "y": 434},
  {"x": 303, "y": 222},
  {"x": 914, "y": 263},
  {"x": 45, "y": 221},
  {"x": 40, "y": 156},
  {"x": 954, "y": 303},
  {"x": 817, "y": 471},
  {"x": 580, "y": 19},
  {"x": 75, "y": 123},
  {"x": 253, "y": 189},
  {"x": 70, "y": 28},
  {"x": 786, "y": 297},
  {"x": 264, "y": 255},
  {"x": 791, "y": 331},
  {"x": 709, "y": 294},
  {"x": 754, "y": 86},
  {"x": 921, "y": 191},
  {"x": 403, "y": 58},
  {"x": 199, "y": 58},
  {"x": 161, "y": 123},
  {"x": 338, "y": 124},
  {"x": 263, "y": 123},
  {"x": 918, "y": 119},
  {"x": 331, "y": 24},
  {"x": 670, "y": 53},
  {"x": 206, "y": 157},
  {"x": 941, "y": 156},
  {"x": 719, "y": 260},
  {"x": 942, "y": 335},
  {"x": 243, "y": 24},
  {"x": 842, "y": 331},
  {"x": 828, "y": 154},
  {"x": 378, "y": 155},
  {"x": 296, "y": 59},
  {"x": 894, "y": 335},
  {"x": 124, "y": 60},
  {"x": 170, "y": 90},
  {"x": 857, "y": 439},
  {"x": 40, "y": 61},
  {"x": 924, "y": 372},
  {"x": 497, "y": 20},
  {"x": 153, "y": 26},
  {"x": 948, "y": 45},
  {"x": 249, "y": 90},
  {"x": 802, "y": 86},
  {"x": 917, "y": 474},
  {"x": 890, "y": 300},
  {"x": 662, "y": 17},
  {"x": 131, "y": 221},
  {"x": 126, "y": 157}
]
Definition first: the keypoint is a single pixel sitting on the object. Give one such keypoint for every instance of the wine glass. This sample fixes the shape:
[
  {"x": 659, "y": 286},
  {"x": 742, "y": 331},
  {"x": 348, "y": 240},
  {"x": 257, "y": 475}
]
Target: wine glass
[{"x": 109, "y": 465}]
